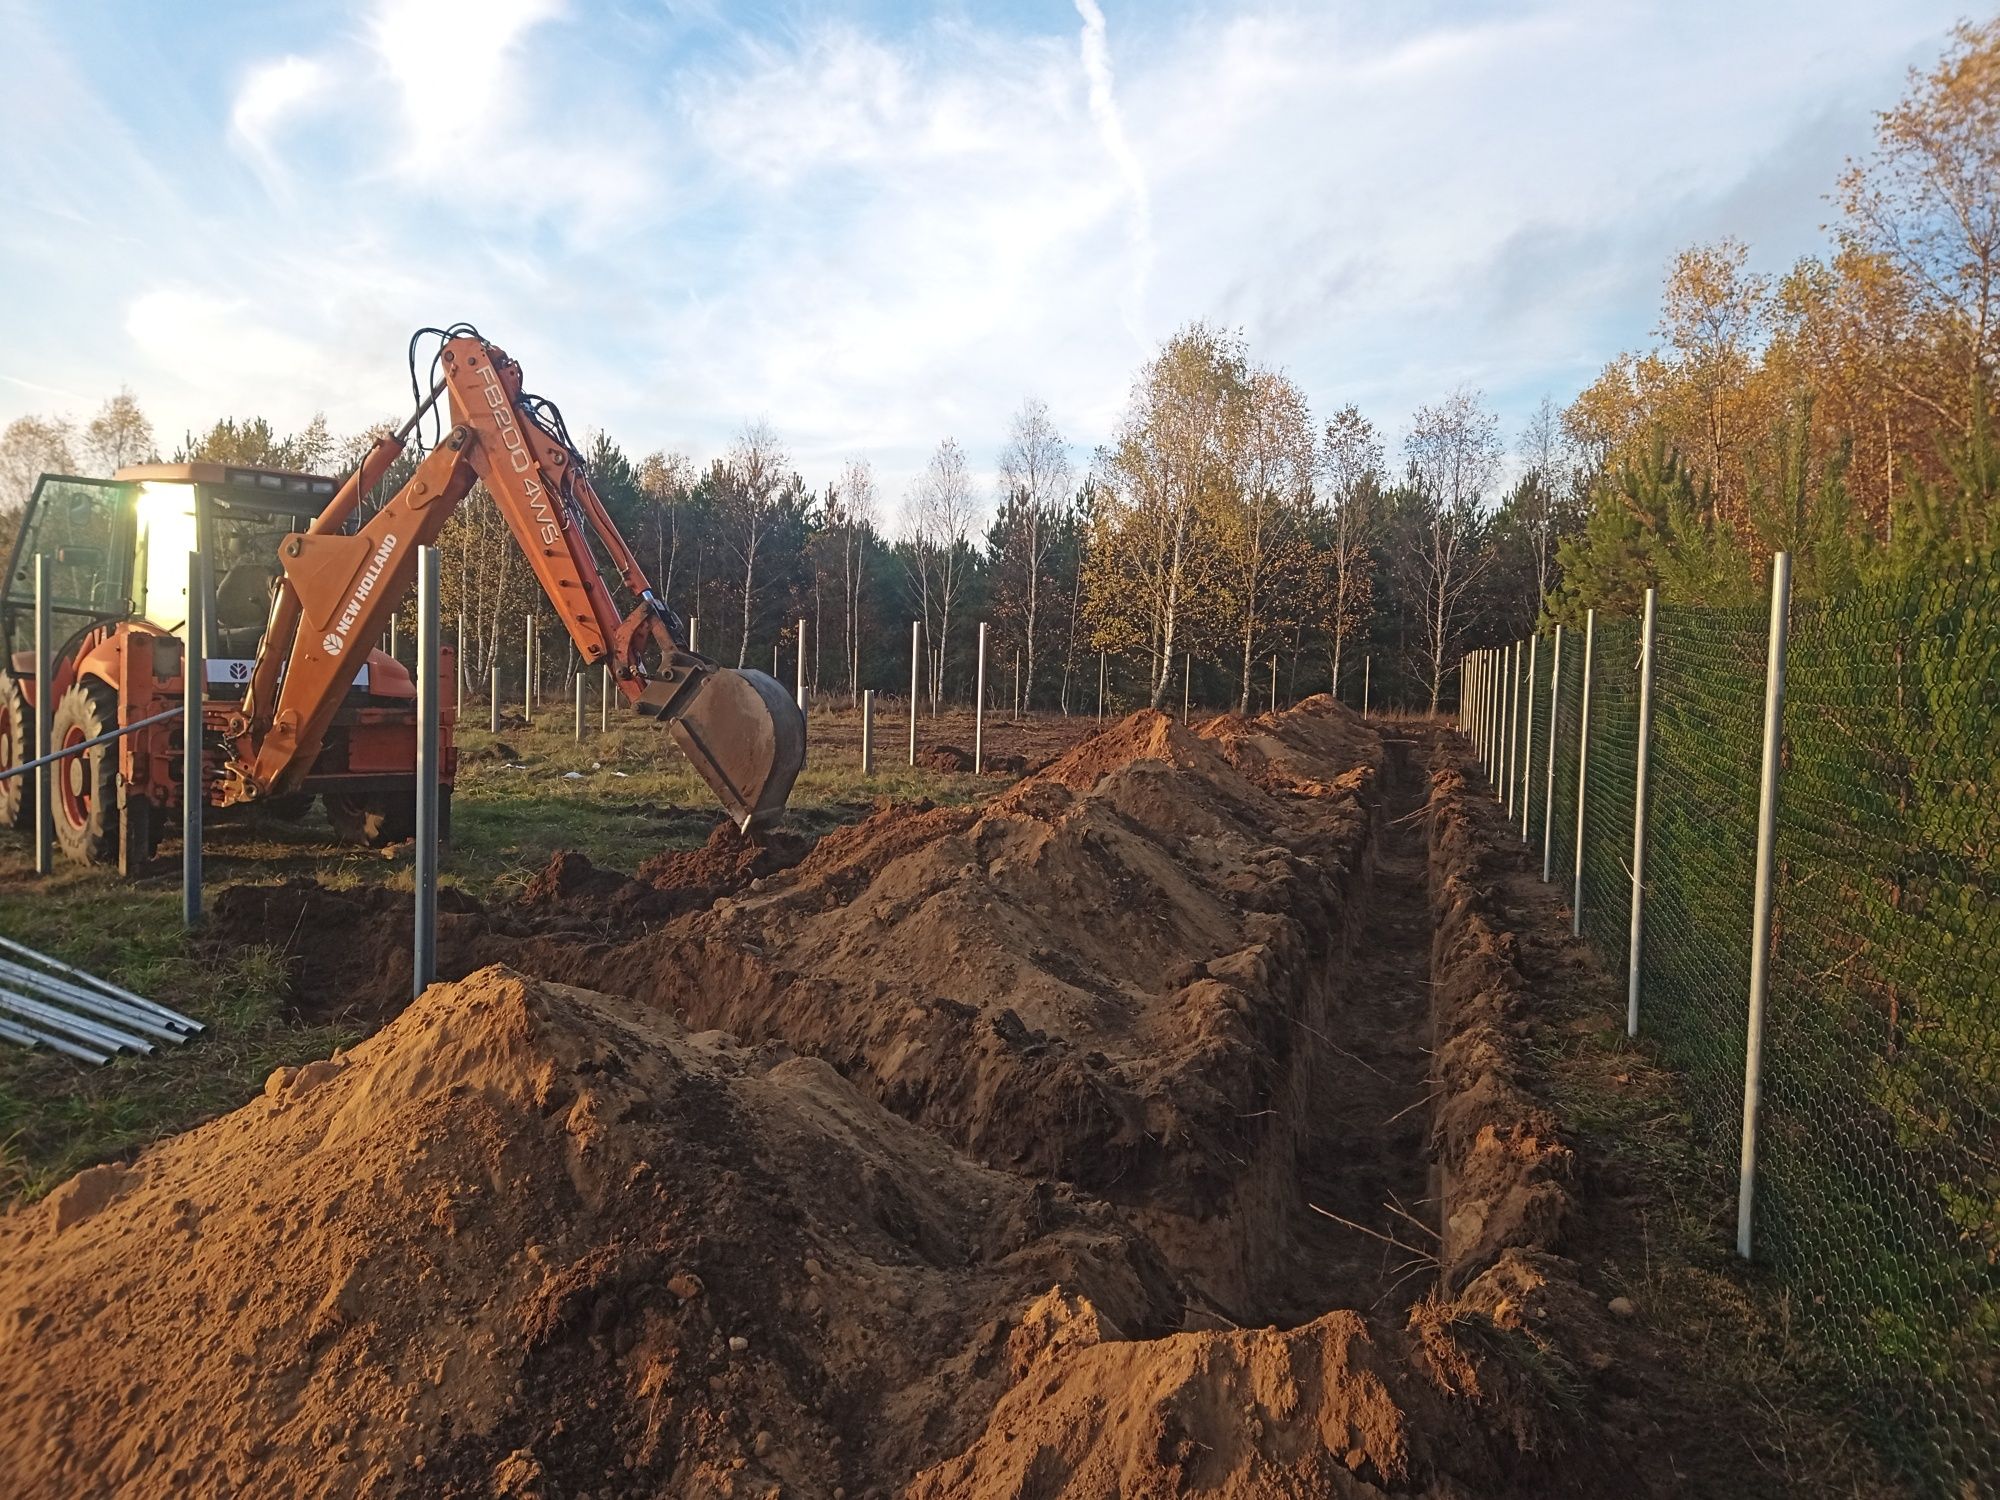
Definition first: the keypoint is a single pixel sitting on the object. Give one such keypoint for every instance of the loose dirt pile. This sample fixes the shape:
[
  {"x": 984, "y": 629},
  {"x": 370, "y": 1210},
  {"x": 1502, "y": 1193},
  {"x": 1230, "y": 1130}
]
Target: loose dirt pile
[
  {"x": 963, "y": 1154},
  {"x": 527, "y": 1240}
]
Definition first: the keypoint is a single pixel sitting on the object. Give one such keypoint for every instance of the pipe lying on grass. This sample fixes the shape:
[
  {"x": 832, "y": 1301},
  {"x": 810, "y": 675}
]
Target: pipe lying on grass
[
  {"x": 27, "y": 1036},
  {"x": 101, "y": 1007},
  {"x": 116, "y": 992},
  {"x": 96, "y": 1032},
  {"x": 76, "y": 1013}
]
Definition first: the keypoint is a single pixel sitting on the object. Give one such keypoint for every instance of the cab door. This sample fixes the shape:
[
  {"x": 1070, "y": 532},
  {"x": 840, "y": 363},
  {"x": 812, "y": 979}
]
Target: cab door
[{"x": 84, "y": 527}]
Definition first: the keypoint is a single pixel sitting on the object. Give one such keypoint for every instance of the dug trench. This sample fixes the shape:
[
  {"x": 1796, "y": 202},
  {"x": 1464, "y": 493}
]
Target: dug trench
[{"x": 1159, "y": 1127}]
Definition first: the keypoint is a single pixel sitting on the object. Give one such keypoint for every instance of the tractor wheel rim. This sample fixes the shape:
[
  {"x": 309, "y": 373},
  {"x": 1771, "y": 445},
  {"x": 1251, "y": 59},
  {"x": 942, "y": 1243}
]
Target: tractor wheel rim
[{"x": 74, "y": 781}]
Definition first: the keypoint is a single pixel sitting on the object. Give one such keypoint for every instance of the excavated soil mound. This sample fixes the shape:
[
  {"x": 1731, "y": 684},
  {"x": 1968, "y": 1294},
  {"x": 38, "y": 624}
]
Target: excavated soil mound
[
  {"x": 528, "y": 1240},
  {"x": 1107, "y": 976}
]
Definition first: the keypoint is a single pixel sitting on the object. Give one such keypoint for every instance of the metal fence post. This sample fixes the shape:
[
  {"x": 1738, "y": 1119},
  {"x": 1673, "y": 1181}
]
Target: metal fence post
[
  {"x": 1513, "y": 723},
  {"x": 1103, "y": 658},
  {"x": 1549, "y": 809},
  {"x": 1274, "y": 684},
  {"x": 604, "y": 700},
  {"x": 979, "y": 709},
  {"x": 1760, "y": 920},
  {"x": 494, "y": 706},
  {"x": 1367, "y": 666},
  {"x": 194, "y": 775},
  {"x": 45, "y": 705},
  {"x": 694, "y": 631},
  {"x": 1582, "y": 767},
  {"x": 801, "y": 692},
  {"x": 1496, "y": 671},
  {"x": 528, "y": 672},
  {"x": 1641, "y": 796},
  {"x": 1187, "y": 684},
  {"x": 458, "y": 669},
  {"x": 424, "y": 945},
  {"x": 1472, "y": 700},
  {"x": 1528, "y": 738},
  {"x": 867, "y": 732},
  {"x": 916, "y": 656},
  {"x": 579, "y": 705}
]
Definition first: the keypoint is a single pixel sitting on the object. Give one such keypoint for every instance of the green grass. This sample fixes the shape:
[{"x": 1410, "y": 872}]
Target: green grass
[{"x": 57, "y": 1116}]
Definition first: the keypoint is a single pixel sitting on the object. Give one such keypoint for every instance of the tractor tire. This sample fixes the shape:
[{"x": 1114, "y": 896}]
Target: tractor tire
[
  {"x": 86, "y": 784},
  {"x": 17, "y": 746}
]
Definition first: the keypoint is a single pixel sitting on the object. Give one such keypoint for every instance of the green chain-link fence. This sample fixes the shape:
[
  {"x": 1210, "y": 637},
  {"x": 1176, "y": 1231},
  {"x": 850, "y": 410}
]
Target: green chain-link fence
[{"x": 1878, "y": 1174}]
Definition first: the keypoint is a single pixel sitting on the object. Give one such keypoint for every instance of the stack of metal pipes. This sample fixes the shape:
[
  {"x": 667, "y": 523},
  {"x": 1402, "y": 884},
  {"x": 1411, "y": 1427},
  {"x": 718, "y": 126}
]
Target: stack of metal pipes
[{"x": 45, "y": 1002}]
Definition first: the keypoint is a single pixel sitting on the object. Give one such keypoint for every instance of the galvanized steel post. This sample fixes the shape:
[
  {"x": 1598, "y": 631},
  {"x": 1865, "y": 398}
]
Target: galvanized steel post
[
  {"x": 979, "y": 709},
  {"x": 45, "y": 681},
  {"x": 604, "y": 699},
  {"x": 194, "y": 775},
  {"x": 867, "y": 732},
  {"x": 800, "y": 694},
  {"x": 424, "y": 947},
  {"x": 579, "y": 705},
  {"x": 916, "y": 656},
  {"x": 1367, "y": 666},
  {"x": 1103, "y": 658},
  {"x": 1582, "y": 767},
  {"x": 1549, "y": 808},
  {"x": 1760, "y": 918},
  {"x": 1528, "y": 738},
  {"x": 1642, "y": 792},
  {"x": 528, "y": 671}
]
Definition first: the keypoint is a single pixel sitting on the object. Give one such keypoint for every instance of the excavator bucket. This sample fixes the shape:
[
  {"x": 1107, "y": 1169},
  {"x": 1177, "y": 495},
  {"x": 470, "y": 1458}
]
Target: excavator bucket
[{"x": 747, "y": 738}]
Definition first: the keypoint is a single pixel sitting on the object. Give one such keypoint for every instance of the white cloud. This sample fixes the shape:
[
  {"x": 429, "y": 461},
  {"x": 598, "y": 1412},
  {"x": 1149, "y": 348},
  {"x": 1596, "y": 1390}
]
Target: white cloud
[
  {"x": 1111, "y": 130},
  {"x": 272, "y": 95},
  {"x": 452, "y": 63}
]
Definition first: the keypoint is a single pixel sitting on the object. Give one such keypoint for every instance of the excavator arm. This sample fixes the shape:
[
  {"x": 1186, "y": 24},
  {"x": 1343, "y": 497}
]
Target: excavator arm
[{"x": 740, "y": 729}]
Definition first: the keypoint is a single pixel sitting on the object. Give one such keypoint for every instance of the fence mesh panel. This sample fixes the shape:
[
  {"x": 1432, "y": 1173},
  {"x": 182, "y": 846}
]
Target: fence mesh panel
[
  {"x": 1562, "y": 827},
  {"x": 1532, "y": 811},
  {"x": 1878, "y": 1188},
  {"x": 1608, "y": 794},
  {"x": 1879, "y": 1178},
  {"x": 1701, "y": 854}
]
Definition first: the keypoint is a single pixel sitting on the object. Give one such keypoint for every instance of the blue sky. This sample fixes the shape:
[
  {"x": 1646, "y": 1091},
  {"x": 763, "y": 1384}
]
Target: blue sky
[{"x": 875, "y": 225}]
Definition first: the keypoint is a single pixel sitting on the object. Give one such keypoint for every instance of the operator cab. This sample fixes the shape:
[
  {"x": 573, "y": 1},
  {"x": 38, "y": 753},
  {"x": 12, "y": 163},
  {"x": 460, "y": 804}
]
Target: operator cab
[
  {"x": 241, "y": 516},
  {"x": 118, "y": 550}
]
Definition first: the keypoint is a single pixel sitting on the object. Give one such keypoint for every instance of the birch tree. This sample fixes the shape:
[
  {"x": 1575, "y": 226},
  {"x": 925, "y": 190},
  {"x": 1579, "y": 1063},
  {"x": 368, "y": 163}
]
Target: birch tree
[
  {"x": 1034, "y": 486},
  {"x": 1154, "y": 558},
  {"x": 938, "y": 528},
  {"x": 1454, "y": 456},
  {"x": 1260, "y": 530},
  {"x": 1350, "y": 485},
  {"x": 757, "y": 466}
]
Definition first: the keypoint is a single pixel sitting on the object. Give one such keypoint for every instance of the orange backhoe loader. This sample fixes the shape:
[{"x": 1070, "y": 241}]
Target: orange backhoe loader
[{"x": 298, "y": 700}]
